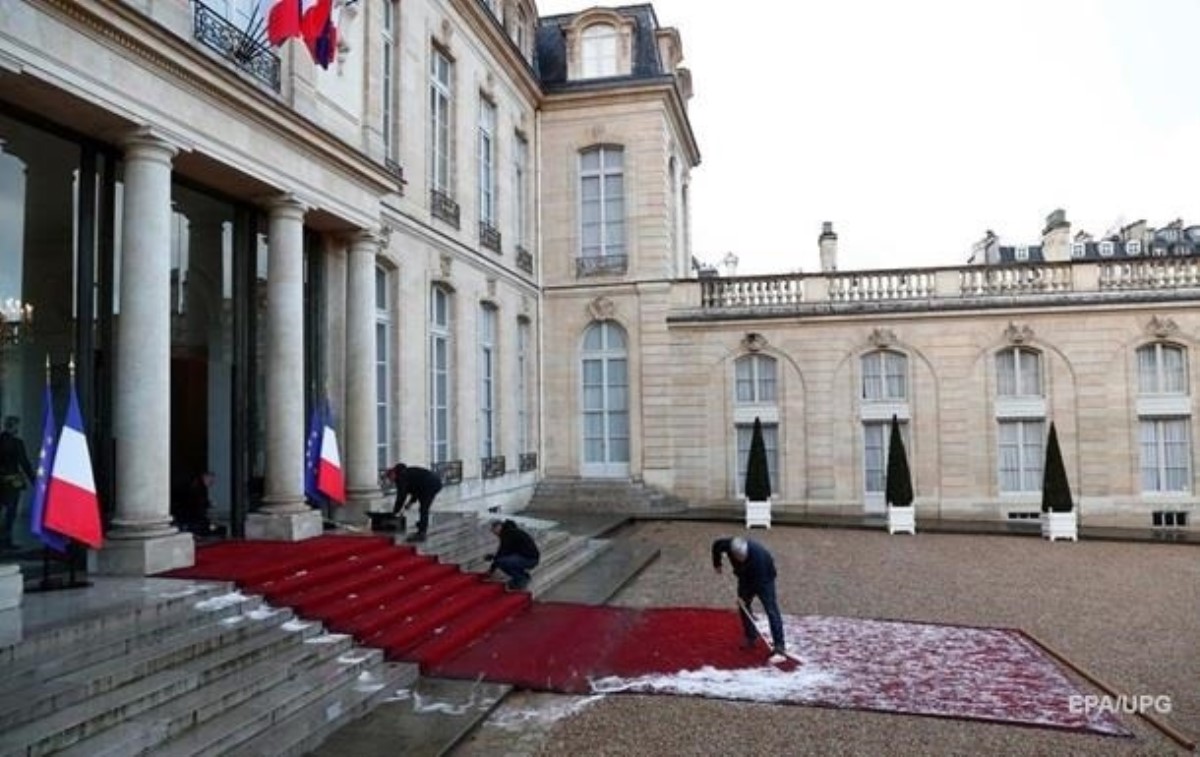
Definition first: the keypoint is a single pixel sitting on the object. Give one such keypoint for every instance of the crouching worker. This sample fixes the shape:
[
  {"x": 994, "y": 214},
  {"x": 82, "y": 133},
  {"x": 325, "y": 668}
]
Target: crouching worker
[{"x": 516, "y": 554}]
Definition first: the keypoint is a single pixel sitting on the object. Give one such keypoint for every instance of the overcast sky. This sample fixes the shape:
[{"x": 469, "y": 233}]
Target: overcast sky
[{"x": 916, "y": 126}]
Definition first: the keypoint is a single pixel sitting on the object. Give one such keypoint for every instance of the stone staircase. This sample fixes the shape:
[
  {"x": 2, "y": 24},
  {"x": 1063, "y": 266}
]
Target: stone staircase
[
  {"x": 582, "y": 495},
  {"x": 202, "y": 669}
]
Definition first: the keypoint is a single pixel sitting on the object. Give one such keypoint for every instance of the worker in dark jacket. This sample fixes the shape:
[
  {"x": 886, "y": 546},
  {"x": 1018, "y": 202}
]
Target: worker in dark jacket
[
  {"x": 516, "y": 554},
  {"x": 755, "y": 571},
  {"x": 414, "y": 483}
]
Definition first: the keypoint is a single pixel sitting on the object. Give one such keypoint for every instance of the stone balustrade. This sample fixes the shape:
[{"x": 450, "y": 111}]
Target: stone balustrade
[{"x": 943, "y": 286}]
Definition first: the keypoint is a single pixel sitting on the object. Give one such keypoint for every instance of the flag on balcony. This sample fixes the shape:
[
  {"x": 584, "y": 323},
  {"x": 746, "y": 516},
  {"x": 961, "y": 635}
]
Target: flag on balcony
[
  {"x": 42, "y": 484},
  {"x": 320, "y": 33},
  {"x": 72, "y": 508},
  {"x": 330, "y": 480},
  {"x": 283, "y": 20}
]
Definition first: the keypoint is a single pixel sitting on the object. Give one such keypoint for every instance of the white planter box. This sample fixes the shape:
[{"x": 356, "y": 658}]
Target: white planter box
[
  {"x": 1057, "y": 526},
  {"x": 758, "y": 514},
  {"x": 902, "y": 520}
]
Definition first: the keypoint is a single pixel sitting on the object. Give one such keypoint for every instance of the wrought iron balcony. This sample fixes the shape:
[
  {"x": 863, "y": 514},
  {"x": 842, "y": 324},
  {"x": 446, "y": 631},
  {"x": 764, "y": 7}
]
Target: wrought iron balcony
[
  {"x": 524, "y": 259},
  {"x": 492, "y": 467},
  {"x": 450, "y": 471},
  {"x": 244, "y": 50},
  {"x": 443, "y": 206},
  {"x": 489, "y": 236},
  {"x": 601, "y": 265},
  {"x": 527, "y": 461}
]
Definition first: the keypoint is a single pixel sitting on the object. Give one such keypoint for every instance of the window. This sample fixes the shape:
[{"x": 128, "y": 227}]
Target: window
[
  {"x": 1166, "y": 455},
  {"x": 389, "y": 78},
  {"x": 1162, "y": 369},
  {"x": 604, "y": 376},
  {"x": 441, "y": 71},
  {"x": 1169, "y": 519},
  {"x": 487, "y": 162},
  {"x": 745, "y": 432},
  {"x": 1078, "y": 249},
  {"x": 599, "y": 53},
  {"x": 521, "y": 191},
  {"x": 754, "y": 379},
  {"x": 440, "y": 375},
  {"x": 1021, "y": 455},
  {"x": 884, "y": 376},
  {"x": 1133, "y": 247},
  {"x": 487, "y": 380},
  {"x": 1018, "y": 373},
  {"x": 520, "y": 32},
  {"x": 523, "y": 384},
  {"x": 1106, "y": 249},
  {"x": 1021, "y": 253},
  {"x": 876, "y": 445},
  {"x": 602, "y": 193},
  {"x": 383, "y": 369}
]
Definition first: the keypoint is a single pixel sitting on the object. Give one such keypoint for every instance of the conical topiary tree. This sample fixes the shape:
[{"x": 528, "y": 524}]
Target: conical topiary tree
[
  {"x": 758, "y": 475},
  {"x": 1056, "y": 490},
  {"x": 899, "y": 491}
]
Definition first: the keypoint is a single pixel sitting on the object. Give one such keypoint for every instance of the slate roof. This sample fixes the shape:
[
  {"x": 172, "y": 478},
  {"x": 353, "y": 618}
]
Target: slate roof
[
  {"x": 1170, "y": 241},
  {"x": 551, "y": 57}
]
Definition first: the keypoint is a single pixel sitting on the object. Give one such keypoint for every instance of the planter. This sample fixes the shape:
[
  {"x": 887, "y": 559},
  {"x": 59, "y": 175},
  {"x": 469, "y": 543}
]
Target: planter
[
  {"x": 1057, "y": 526},
  {"x": 758, "y": 514},
  {"x": 902, "y": 519}
]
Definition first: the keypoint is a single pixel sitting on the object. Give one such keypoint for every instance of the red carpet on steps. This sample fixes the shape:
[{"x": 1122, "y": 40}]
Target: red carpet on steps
[{"x": 458, "y": 625}]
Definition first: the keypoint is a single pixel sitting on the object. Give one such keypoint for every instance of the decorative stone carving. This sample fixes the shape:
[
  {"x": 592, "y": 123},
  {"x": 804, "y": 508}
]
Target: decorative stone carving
[
  {"x": 1015, "y": 334},
  {"x": 444, "y": 263},
  {"x": 882, "y": 338},
  {"x": 446, "y": 31},
  {"x": 754, "y": 342},
  {"x": 1162, "y": 328},
  {"x": 491, "y": 288},
  {"x": 602, "y": 309}
]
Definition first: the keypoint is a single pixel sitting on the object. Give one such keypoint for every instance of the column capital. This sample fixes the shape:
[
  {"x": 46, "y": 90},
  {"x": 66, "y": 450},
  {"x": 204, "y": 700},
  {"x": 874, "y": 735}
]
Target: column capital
[
  {"x": 150, "y": 143},
  {"x": 284, "y": 204},
  {"x": 368, "y": 240}
]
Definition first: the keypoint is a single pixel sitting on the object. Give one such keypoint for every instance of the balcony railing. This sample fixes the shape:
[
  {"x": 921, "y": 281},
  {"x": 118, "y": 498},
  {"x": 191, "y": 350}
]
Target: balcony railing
[
  {"x": 492, "y": 467},
  {"x": 450, "y": 471},
  {"x": 524, "y": 259},
  {"x": 944, "y": 287},
  {"x": 489, "y": 236},
  {"x": 443, "y": 206},
  {"x": 601, "y": 265},
  {"x": 232, "y": 43},
  {"x": 527, "y": 462}
]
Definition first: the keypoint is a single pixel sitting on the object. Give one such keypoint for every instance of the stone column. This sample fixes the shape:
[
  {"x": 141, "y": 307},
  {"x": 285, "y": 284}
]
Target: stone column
[
  {"x": 284, "y": 515},
  {"x": 361, "y": 467},
  {"x": 142, "y": 540}
]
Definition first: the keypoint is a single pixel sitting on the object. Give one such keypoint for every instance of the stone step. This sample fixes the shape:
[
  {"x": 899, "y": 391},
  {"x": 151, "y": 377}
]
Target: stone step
[
  {"x": 582, "y": 553},
  {"x": 88, "y": 634},
  {"x": 86, "y": 703},
  {"x": 144, "y": 732},
  {"x": 234, "y": 727},
  {"x": 306, "y": 728}
]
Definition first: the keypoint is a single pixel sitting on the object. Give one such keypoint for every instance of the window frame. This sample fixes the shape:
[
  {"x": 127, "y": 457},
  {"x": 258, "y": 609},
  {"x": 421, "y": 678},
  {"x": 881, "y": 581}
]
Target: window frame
[
  {"x": 488, "y": 351},
  {"x": 441, "y": 121},
  {"x": 441, "y": 333},
  {"x": 486, "y": 156},
  {"x": 608, "y": 219}
]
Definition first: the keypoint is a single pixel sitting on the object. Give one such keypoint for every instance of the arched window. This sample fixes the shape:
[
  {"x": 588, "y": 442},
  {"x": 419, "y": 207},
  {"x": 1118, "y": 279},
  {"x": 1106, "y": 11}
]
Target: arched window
[
  {"x": 1162, "y": 369},
  {"x": 441, "y": 374},
  {"x": 1020, "y": 420},
  {"x": 884, "y": 376},
  {"x": 1019, "y": 373},
  {"x": 754, "y": 379},
  {"x": 599, "y": 51},
  {"x": 604, "y": 392},
  {"x": 1164, "y": 419}
]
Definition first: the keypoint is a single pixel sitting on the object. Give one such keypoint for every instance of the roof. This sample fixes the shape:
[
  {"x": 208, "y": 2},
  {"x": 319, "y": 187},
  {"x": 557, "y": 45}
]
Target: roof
[{"x": 551, "y": 56}]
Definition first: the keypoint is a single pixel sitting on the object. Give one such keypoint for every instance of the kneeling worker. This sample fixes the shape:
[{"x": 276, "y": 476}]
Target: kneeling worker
[{"x": 516, "y": 554}]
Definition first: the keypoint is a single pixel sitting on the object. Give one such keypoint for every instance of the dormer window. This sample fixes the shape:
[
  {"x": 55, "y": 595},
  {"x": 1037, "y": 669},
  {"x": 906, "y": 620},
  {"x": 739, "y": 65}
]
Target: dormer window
[
  {"x": 1106, "y": 249},
  {"x": 1021, "y": 253},
  {"x": 1078, "y": 249},
  {"x": 1133, "y": 247},
  {"x": 599, "y": 51}
]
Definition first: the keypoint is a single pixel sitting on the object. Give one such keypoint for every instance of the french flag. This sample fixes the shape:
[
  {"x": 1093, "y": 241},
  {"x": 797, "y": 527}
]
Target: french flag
[
  {"x": 72, "y": 508},
  {"x": 284, "y": 20},
  {"x": 319, "y": 32},
  {"x": 42, "y": 484},
  {"x": 330, "y": 480}
]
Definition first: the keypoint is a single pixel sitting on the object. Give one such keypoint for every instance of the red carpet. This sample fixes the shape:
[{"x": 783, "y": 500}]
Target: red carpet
[{"x": 457, "y": 625}]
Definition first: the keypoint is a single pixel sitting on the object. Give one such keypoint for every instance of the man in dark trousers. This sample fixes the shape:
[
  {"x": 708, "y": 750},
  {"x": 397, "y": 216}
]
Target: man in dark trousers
[
  {"x": 755, "y": 571},
  {"x": 516, "y": 555},
  {"x": 15, "y": 475},
  {"x": 414, "y": 483}
]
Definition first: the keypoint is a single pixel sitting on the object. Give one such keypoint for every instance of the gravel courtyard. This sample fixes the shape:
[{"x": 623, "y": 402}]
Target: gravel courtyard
[{"x": 1128, "y": 614}]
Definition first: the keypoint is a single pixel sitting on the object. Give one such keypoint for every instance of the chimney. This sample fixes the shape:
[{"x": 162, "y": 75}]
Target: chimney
[
  {"x": 1134, "y": 232},
  {"x": 827, "y": 243},
  {"x": 986, "y": 251},
  {"x": 1056, "y": 237}
]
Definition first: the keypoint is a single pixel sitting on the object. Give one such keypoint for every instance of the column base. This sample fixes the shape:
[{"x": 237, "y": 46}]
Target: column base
[
  {"x": 284, "y": 526},
  {"x": 12, "y": 586},
  {"x": 143, "y": 557}
]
